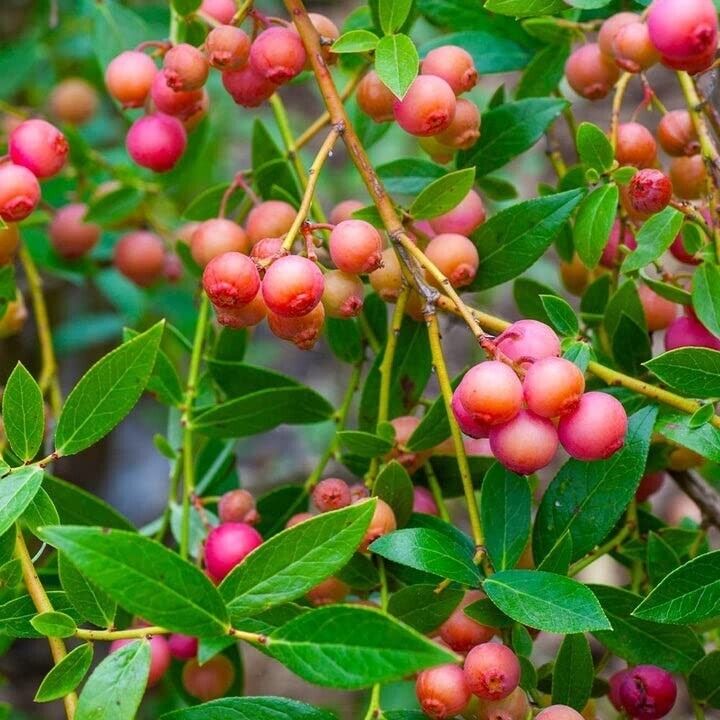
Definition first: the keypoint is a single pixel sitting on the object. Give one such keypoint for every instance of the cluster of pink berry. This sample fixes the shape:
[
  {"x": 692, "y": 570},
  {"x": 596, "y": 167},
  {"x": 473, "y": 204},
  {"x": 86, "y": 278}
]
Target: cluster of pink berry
[{"x": 526, "y": 419}]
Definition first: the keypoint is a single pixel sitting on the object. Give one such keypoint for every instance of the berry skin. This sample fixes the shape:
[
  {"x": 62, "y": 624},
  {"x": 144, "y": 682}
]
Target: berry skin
[
  {"x": 208, "y": 681},
  {"x": 215, "y": 237},
  {"x": 649, "y": 191},
  {"x": 38, "y": 146},
  {"x": 387, "y": 280},
  {"x": 423, "y": 501},
  {"x": 375, "y": 99},
  {"x": 632, "y": 48},
  {"x": 343, "y": 294},
  {"x": 331, "y": 494},
  {"x": 185, "y": 68},
  {"x": 19, "y": 192},
  {"x": 248, "y": 87},
  {"x": 590, "y": 73},
  {"x": 404, "y": 427},
  {"x": 383, "y": 522},
  {"x": 454, "y": 65},
  {"x": 525, "y": 444},
  {"x": 688, "y": 176},
  {"x": 70, "y": 235},
  {"x": 468, "y": 424},
  {"x": 611, "y": 255},
  {"x": 659, "y": 312},
  {"x": 344, "y": 210},
  {"x": 129, "y": 77},
  {"x": 559, "y": 712},
  {"x": 649, "y": 485},
  {"x": 238, "y": 506},
  {"x": 611, "y": 27},
  {"x": 491, "y": 392},
  {"x": 635, "y": 145},
  {"x": 676, "y": 134},
  {"x": 298, "y": 518},
  {"x": 689, "y": 332},
  {"x": 183, "y": 647},
  {"x": 180, "y": 104},
  {"x": 231, "y": 280},
  {"x": 492, "y": 671},
  {"x": 691, "y": 65},
  {"x": 526, "y": 341},
  {"x": 159, "y": 657},
  {"x": 455, "y": 256},
  {"x": 553, "y": 386},
  {"x": 460, "y": 632},
  {"x": 221, "y": 10},
  {"x": 267, "y": 249},
  {"x": 648, "y": 692},
  {"x": 514, "y": 707},
  {"x": 574, "y": 275},
  {"x": 303, "y": 331},
  {"x": 464, "y": 130},
  {"x": 227, "y": 47},
  {"x": 227, "y": 546},
  {"x": 245, "y": 316},
  {"x": 73, "y": 101},
  {"x": 270, "y": 219},
  {"x": 328, "y": 592},
  {"x": 355, "y": 247},
  {"x": 595, "y": 429},
  {"x": 156, "y": 142},
  {"x": 9, "y": 243},
  {"x": 140, "y": 256},
  {"x": 466, "y": 217},
  {"x": 442, "y": 691},
  {"x": 278, "y": 54},
  {"x": 678, "y": 251},
  {"x": 615, "y": 682},
  {"x": 292, "y": 286},
  {"x": 428, "y": 107}
]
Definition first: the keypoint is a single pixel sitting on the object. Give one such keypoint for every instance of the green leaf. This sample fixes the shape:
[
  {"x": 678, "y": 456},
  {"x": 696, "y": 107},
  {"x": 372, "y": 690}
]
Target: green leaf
[
  {"x": 207, "y": 204},
  {"x": 364, "y": 444},
  {"x": 295, "y": 560},
  {"x": 23, "y": 413},
  {"x": 544, "y": 72},
  {"x": 16, "y": 492},
  {"x": 238, "y": 379},
  {"x": 594, "y": 147},
  {"x": 640, "y": 641},
  {"x": 116, "y": 687},
  {"x": 114, "y": 206},
  {"x": 430, "y": 551},
  {"x": 91, "y": 602},
  {"x": 661, "y": 558},
  {"x": 10, "y": 574},
  {"x": 422, "y": 607},
  {"x": 508, "y": 131},
  {"x": 16, "y": 615},
  {"x": 40, "y": 512},
  {"x": 8, "y": 291},
  {"x": 689, "y": 594},
  {"x": 66, "y": 675},
  {"x": 573, "y": 673},
  {"x": 397, "y": 62},
  {"x": 107, "y": 392},
  {"x": 562, "y": 316},
  {"x": 278, "y": 505},
  {"x": 594, "y": 222},
  {"x": 630, "y": 344},
  {"x": 587, "y": 498},
  {"x": 624, "y": 301},
  {"x": 546, "y": 601},
  {"x": 677, "y": 426},
  {"x": 505, "y": 505},
  {"x": 393, "y": 14},
  {"x": 654, "y": 238},
  {"x": 525, "y": 8},
  {"x": 484, "y": 612},
  {"x": 115, "y": 28},
  {"x": 527, "y": 295},
  {"x": 54, "y": 624},
  {"x": 250, "y": 708},
  {"x": 144, "y": 577},
  {"x": 691, "y": 371},
  {"x": 513, "y": 239},
  {"x": 355, "y": 41},
  {"x": 670, "y": 292},
  {"x": 185, "y": 7},
  {"x": 345, "y": 339},
  {"x": 393, "y": 485},
  {"x": 443, "y": 194},
  {"x": 409, "y": 176},
  {"x": 497, "y": 188},
  {"x": 352, "y": 647},
  {"x": 359, "y": 573},
  {"x": 559, "y": 556},
  {"x": 262, "y": 411},
  {"x": 702, "y": 680},
  {"x": 705, "y": 296}
]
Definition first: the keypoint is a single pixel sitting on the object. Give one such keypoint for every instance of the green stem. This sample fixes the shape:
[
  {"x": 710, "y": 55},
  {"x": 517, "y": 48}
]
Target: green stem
[
  {"x": 386, "y": 366},
  {"x": 436, "y": 491},
  {"x": 603, "y": 549},
  {"x": 369, "y": 333}
]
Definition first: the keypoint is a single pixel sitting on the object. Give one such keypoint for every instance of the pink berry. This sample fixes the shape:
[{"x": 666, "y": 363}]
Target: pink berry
[
  {"x": 227, "y": 47},
  {"x": 331, "y": 494},
  {"x": 292, "y": 286},
  {"x": 183, "y": 647},
  {"x": 460, "y": 632},
  {"x": 633, "y": 49},
  {"x": 692, "y": 65},
  {"x": 237, "y": 506},
  {"x": 303, "y": 331},
  {"x": 298, "y": 518},
  {"x": 344, "y": 210},
  {"x": 659, "y": 312},
  {"x": 648, "y": 692},
  {"x": 689, "y": 332},
  {"x": 468, "y": 424},
  {"x": 442, "y": 691},
  {"x": 221, "y": 10},
  {"x": 129, "y": 77},
  {"x": 375, "y": 99},
  {"x": 215, "y": 237},
  {"x": 244, "y": 316},
  {"x": 182, "y": 104},
  {"x": 343, "y": 294},
  {"x": 491, "y": 392},
  {"x": 404, "y": 427},
  {"x": 611, "y": 27},
  {"x": 676, "y": 134},
  {"x": 38, "y": 146},
  {"x": 595, "y": 429},
  {"x": 268, "y": 249},
  {"x": 455, "y": 256},
  {"x": 559, "y": 712},
  {"x": 208, "y": 681},
  {"x": 278, "y": 54},
  {"x": 454, "y": 65},
  {"x": 159, "y": 657},
  {"x": 616, "y": 680},
  {"x": 231, "y": 280},
  {"x": 427, "y": 108},
  {"x": 635, "y": 145},
  {"x": 185, "y": 68},
  {"x": 678, "y": 251},
  {"x": 514, "y": 707},
  {"x": 611, "y": 255},
  {"x": 383, "y": 522},
  {"x": 649, "y": 485},
  {"x": 355, "y": 247},
  {"x": 248, "y": 87},
  {"x": 156, "y": 142},
  {"x": 650, "y": 191},
  {"x": 269, "y": 219},
  {"x": 683, "y": 30},
  {"x": 553, "y": 386},
  {"x": 590, "y": 73},
  {"x": 140, "y": 256},
  {"x": 464, "y": 130},
  {"x": 525, "y": 444},
  {"x": 526, "y": 341},
  {"x": 492, "y": 671},
  {"x": 227, "y": 546},
  {"x": 70, "y": 235},
  {"x": 464, "y": 218},
  {"x": 19, "y": 192},
  {"x": 423, "y": 501}
]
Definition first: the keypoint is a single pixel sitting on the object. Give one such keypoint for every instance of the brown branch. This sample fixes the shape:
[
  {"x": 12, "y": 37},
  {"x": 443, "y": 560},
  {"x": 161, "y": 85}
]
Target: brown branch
[{"x": 704, "y": 496}]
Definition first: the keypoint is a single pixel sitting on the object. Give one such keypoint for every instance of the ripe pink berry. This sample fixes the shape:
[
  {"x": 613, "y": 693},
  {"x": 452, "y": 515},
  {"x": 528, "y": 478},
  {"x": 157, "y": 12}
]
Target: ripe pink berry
[
  {"x": 427, "y": 108},
  {"x": 9, "y": 243},
  {"x": 491, "y": 392},
  {"x": 182, "y": 104},
  {"x": 404, "y": 427},
  {"x": 129, "y": 77},
  {"x": 650, "y": 191},
  {"x": 455, "y": 256},
  {"x": 649, "y": 485},
  {"x": 156, "y": 142},
  {"x": 215, "y": 237},
  {"x": 183, "y": 647},
  {"x": 659, "y": 312},
  {"x": 185, "y": 68},
  {"x": 691, "y": 65},
  {"x": 615, "y": 682},
  {"x": 678, "y": 251},
  {"x": 387, "y": 280},
  {"x": 73, "y": 101},
  {"x": 635, "y": 145},
  {"x": 245, "y": 316},
  {"x": 468, "y": 424},
  {"x": 648, "y": 692},
  {"x": 375, "y": 99},
  {"x": 19, "y": 192},
  {"x": 344, "y": 210},
  {"x": 423, "y": 501},
  {"x": 688, "y": 176},
  {"x": 553, "y": 386},
  {"x": 383, "y": 522},
  {"x": 466, "y": 217},
  {"x": 298, "y": 518},
  {"x": 38, "y": 146},
  {"x": 292, "y": 286},
  {"x": 343, "y": 294},
  {"x": 248, "y": 87},
  {"x": 227, "y": 47},
  {"x": 227, "y": 546},
  {"x": 303, "y": 331},
  {"x": 331, "y": 494},
  {"x": 610, "y": 28},
  {"x": 454, "y": 65},
  {"x": 159, "y": 657},
  {"x": 269, "y": 219},
  {"x": 355, "y": 247},
  {"x": 527, "y": 341},
  {"x": 278, "y": 54},
  {"x": 559, "y": 712},
  {"x": 590, "y": 73},
  {"x": 676, "y": 134},
  {"x": 328, "y": 592},
  {"x": 464, "y": 130},
  {"x": 689, "y": 332},
  {"x": 525, "y": 444},
  {"x": 460, "y": 632},
  {"x": 442, "y": 691},
  {"x": 595, "y": 429},
  {"x": 237, "y": 506},
  {"x": 221, "y": 10},
  {"x": 70, "y": 235},
  {"x": 140, "y": 256},
  {"x": 611, "y": 255},
  {"x": 633, "y": 49},
  {"x": 514, "y": 707},
  {"x": 208, "y": 681},
  {"x": 492, "y": 671},
  {"x": 231, "y": 280},
  {"x": 267, "y": 249}
]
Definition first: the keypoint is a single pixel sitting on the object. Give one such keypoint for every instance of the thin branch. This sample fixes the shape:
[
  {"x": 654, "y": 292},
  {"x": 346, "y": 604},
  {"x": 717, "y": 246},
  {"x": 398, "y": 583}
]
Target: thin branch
[{"x": 704, "y": 496}]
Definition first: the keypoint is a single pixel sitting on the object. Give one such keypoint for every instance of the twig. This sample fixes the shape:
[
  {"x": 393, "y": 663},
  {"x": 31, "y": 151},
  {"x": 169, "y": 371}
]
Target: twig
[{"x": 704, "y": 496}]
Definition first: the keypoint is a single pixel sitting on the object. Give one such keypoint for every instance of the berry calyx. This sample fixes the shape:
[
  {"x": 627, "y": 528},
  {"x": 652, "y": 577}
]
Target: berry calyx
[
  {"x": 649, "y": 191},
  {"x": 215, "y": 237},
  {"x": 355, "y": 247},
  {"x": 227, "y": 546},
  {"x": 292, "y": 286},
  {"x": 156, "y": 142},
  {"x": 454, "y": 65},
  {"x": 231, "y": 280},
  {"x": 278, "y": 54},
  {"x": 129, "y": 77},
  {"x": 140, "y": 256},
  {"x": 442, "y": 691},
  {"x": 455, "y": 256},
  {"x": 633, "y": 48},
  {"x": 185, "y": 68},
  {"x": 19, "y": 192},
  {"x": 466, "y": 217},
  {"x": 182, "y": 104},
  {"x": 427, "y": 108},
  {"x": 70, "y": 235},
  {"x": 331, "y": 494},
  {"x": 492, "y": 671},
  {"x": 38, "y": 146}
]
